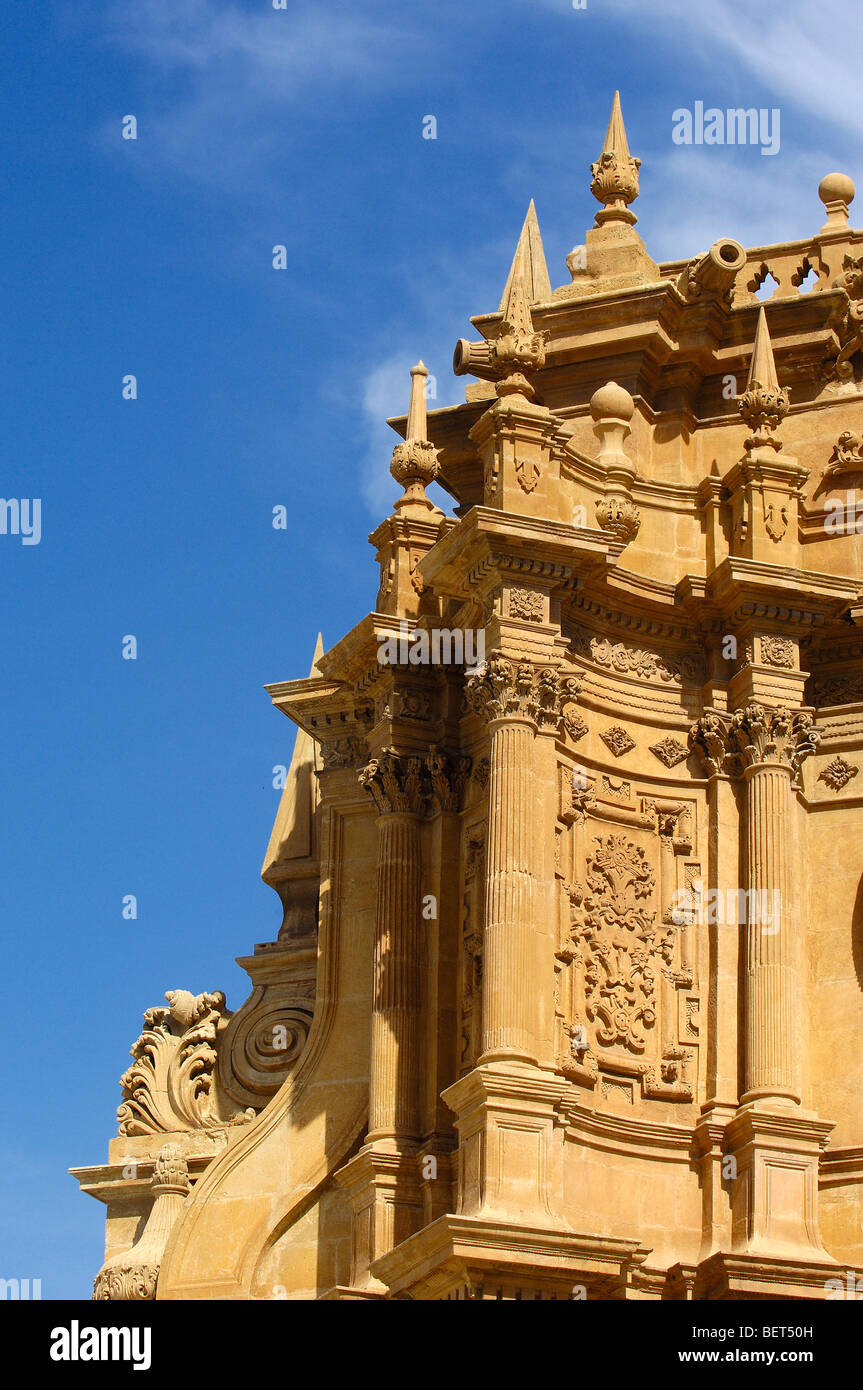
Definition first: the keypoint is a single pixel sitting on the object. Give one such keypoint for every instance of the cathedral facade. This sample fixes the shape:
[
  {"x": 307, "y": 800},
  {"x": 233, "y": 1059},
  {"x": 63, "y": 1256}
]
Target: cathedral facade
[{"x": 567, "y": 998}]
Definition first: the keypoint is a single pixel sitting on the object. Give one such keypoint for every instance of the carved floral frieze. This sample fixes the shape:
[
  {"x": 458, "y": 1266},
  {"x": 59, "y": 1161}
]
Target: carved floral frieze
[{"x": 679, "y": 669}]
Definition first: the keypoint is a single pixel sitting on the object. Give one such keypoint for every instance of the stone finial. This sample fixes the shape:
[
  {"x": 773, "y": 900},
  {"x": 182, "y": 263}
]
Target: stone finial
[
  {"x": 415, "y": 462},
  {"x": 836, "y": 191},
  {"x": 615, "y": 173},
  {"x": 529, "y": 250},
  {"x": 517, "y": 348},
  {"x": 612, "y": 408},
  {"x": 764, "y": 404}
]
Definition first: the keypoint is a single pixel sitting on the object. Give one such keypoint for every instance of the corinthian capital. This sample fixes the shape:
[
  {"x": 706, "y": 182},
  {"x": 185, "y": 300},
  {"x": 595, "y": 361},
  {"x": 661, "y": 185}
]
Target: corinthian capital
[
  {"x": 396, "y": 783},
  {"x": 752, "y": 735},
  {"x": 708, "y": 738},
  {"x": 761, "y": 735},
  {"x": 506, "y": 689}
]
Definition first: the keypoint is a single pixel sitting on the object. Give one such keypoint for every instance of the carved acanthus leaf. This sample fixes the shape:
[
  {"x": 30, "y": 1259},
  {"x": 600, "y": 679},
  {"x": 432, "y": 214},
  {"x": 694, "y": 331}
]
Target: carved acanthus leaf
[
  {"x": 169, "y": 1086},
  {"x": 503, "y": 688}
]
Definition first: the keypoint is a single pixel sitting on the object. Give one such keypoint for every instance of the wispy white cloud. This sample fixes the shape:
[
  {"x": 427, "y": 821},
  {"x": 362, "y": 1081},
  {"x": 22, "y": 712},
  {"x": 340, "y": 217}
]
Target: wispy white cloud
[
  {"x": 228, "y": 78},
  {"x": 803, "y": 53},
  {"x": 292, "y": 48},
  {"x": 696, "y": 194}
]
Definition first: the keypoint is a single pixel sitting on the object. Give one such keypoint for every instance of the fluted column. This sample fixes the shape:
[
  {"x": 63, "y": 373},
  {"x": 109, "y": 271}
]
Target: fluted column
[
  {"x": 396, "y": 1008},
  {"x": 398, "y": 787},
  {"x": 508, "y": 1003},
  {"x": 770, "y": 1067},
  {"x": 771, "y": 744},
  {"x": 516, "y": 699}
]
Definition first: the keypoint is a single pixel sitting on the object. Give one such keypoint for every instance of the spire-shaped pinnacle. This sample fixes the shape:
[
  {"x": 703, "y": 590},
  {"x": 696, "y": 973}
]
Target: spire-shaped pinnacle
[
  {"x": 764, "y": 404},
  {"x": 414, "y": 464},
  {"x": 516, "y": 302},
  {"x": 537, "y": 283},
  {"x": 615, "y": 136},
  {"x": 762, "y": 368},
  {"x": 615, "y": 173},
  {"x": 417, "y": 416}
]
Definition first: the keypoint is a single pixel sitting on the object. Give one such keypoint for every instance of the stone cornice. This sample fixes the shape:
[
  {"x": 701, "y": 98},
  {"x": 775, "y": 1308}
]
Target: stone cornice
[
  {"x": 493, "y": 539},
  {"x": 739, "y": 588}
]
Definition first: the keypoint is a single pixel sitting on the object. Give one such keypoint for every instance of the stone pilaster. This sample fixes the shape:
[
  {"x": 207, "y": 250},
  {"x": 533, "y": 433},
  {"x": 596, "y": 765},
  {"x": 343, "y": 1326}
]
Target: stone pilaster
[
  {"x": 393, "y": 1096},
  {"x": 770, "y": 744},
  {"x": 382, "y": 1181},
  {"x": 516, "y": 699},
  {"x": 507, "y": 1108},
  {"x": 771, "y": 1146}
]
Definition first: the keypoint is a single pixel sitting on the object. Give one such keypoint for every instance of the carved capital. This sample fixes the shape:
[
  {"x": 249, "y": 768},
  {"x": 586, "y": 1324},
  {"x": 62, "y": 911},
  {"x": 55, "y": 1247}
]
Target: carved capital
[
  {"x": 449, "y": 777},
  {"x": 752, "y": 735},
  {"x": 396, "y": 783},
  {"x": 708, "y": 739},
  {"x": 761, "y": 735},
  {"x": 505, "y": 689}
]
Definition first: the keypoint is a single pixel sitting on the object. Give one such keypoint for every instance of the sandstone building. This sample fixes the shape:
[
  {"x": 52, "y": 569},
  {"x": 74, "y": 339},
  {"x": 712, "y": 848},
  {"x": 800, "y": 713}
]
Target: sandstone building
[{"x": 567, "y": 997}]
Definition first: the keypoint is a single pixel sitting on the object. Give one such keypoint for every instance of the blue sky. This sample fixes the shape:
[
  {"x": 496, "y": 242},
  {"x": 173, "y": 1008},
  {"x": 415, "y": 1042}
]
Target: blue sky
[{"x": 257, "y": 388}]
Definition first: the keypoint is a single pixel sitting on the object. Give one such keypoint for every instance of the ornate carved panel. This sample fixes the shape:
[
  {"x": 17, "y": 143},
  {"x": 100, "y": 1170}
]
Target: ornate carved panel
[{"x": 624, "y": 959}]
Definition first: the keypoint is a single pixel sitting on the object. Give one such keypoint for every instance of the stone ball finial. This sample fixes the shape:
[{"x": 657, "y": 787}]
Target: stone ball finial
[
  {"x": 836, "y": 188},
  {"x": 612, "y": 401}
]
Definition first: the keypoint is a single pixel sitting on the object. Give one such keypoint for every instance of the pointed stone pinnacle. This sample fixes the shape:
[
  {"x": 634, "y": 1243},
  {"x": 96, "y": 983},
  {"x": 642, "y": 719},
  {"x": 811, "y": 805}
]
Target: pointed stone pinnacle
[
  {"x": 319, "y": 651},
  {"x": 414, "y": 463},
  {"x": 615, "y": 173},
  {"x": 530, "y": 248},
  {"x": 615, "y": 136},
  {"x": 417, "y": 425},
  {"x": 762, "y": 368},
  {"x": 764, "y": 404},
  {"x": 515, "y": 307}
]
